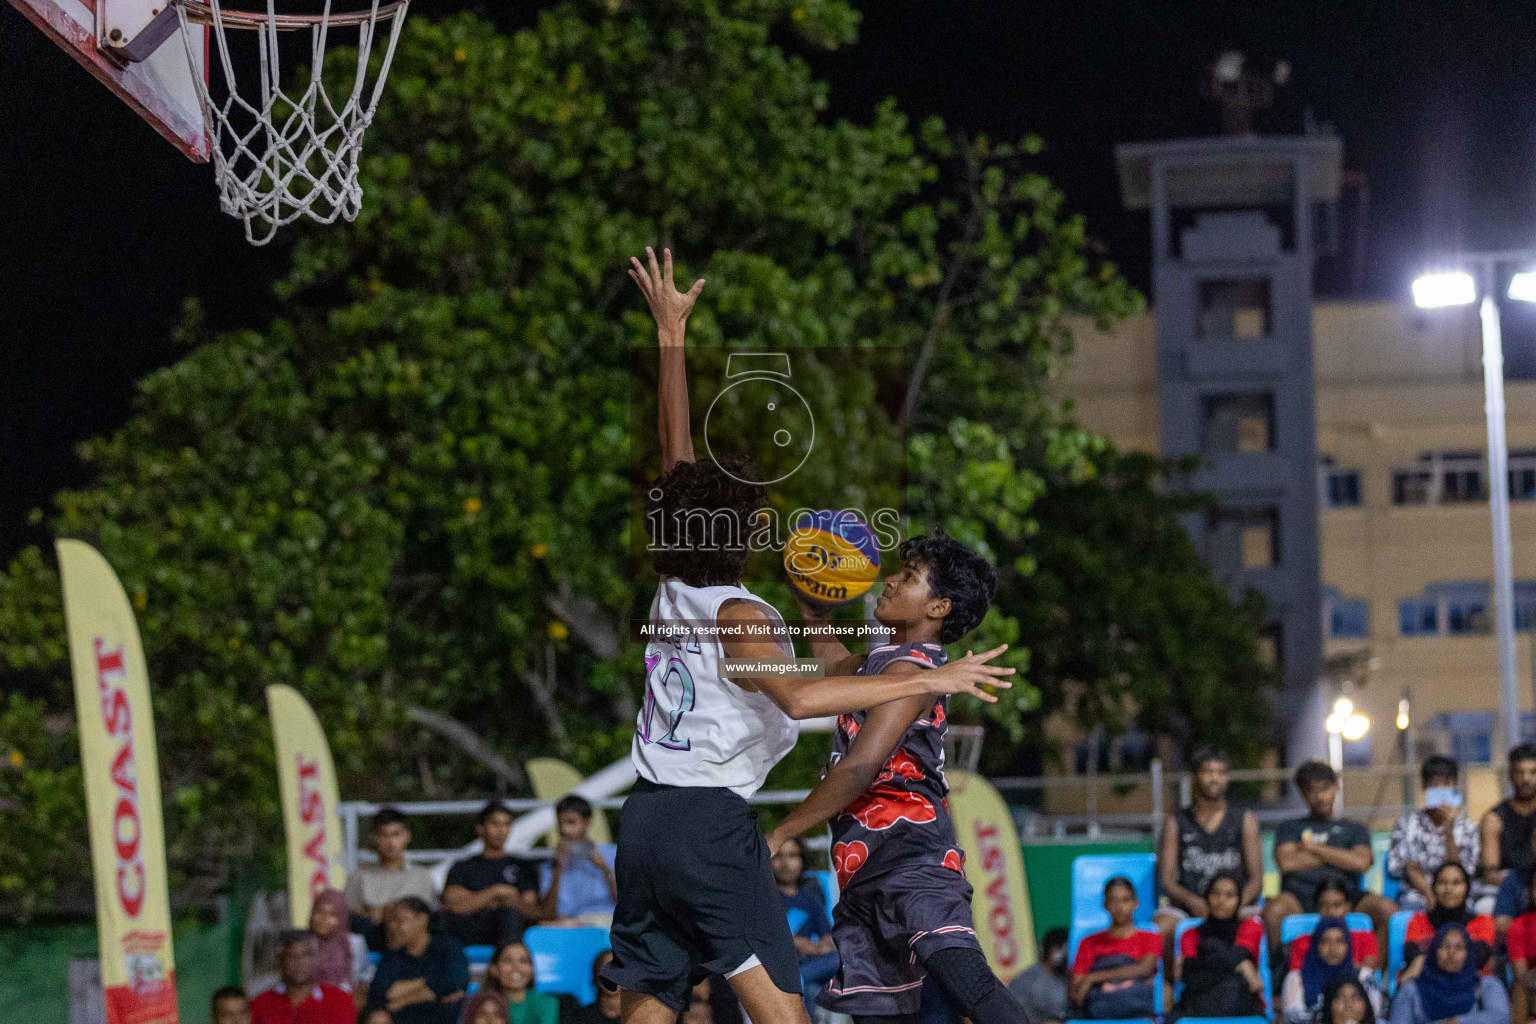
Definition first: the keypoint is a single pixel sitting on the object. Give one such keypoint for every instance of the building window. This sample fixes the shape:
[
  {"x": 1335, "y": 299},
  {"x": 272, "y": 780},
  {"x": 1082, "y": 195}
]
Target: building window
[
  {"x": 1260, "y": 539},
  {"x": 1237, "y": 424},
  {"x": 1418, "y": 617},
  {"x": 1522, "y": 476},
  {"x": 1271, "y": 646},
  {"x": 1235, "y": 309},
  {"x": 1347, "y": 618},
  {"x": 1525, "y": 606},
  {"x": 1462, "y": 477},
  {"x": 1340, "y": 487},
  {"x": 1411, "y": 486},
  {"x": 1471, "y": 734}
]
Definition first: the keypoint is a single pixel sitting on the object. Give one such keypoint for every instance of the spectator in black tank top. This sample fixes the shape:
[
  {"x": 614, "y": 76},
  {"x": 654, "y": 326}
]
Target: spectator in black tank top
[
  {"x": 1322, "y": 848},
  {"x": 1199, "y": 842},
  {"x": 1506, "y": 832}
]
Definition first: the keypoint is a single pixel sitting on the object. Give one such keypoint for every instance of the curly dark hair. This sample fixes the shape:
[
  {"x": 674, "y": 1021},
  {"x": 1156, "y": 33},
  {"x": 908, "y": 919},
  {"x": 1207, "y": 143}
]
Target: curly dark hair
[
  {"x": 705, "y": 512},
  {"x": 955, "y": 572}
]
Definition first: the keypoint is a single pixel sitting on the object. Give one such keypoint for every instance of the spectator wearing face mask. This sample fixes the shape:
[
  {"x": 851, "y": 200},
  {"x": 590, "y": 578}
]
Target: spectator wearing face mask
[
  {"x": 1042, "y": 988},
  {"x": 1429, "y": 837}
]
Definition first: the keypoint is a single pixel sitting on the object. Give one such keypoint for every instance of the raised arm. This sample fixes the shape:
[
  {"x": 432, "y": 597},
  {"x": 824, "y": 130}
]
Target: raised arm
[
  {"x": 883, "y": 728},
  {"x": 826, "y": 646},
  {"x": 670, "y": 307},
  {"x": 836, "y": 695}
]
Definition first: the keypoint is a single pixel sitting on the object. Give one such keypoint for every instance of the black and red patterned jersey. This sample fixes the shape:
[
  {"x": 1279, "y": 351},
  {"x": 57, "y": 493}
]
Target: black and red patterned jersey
[{"x": 904, "y": 814}]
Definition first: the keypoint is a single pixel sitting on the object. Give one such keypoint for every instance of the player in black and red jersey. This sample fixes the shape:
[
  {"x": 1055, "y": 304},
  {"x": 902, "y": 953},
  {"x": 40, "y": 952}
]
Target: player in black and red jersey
[{"x": 905, "y": 906}]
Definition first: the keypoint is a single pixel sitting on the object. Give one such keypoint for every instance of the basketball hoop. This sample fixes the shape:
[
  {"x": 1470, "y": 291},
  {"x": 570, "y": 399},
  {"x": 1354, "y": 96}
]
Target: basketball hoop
[
  {"x": 277, "y": 158},
  {"x": 962, "y": 747}
]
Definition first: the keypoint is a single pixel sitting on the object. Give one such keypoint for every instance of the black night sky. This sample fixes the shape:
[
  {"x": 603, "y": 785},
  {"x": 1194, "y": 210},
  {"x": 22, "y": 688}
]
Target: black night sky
[{"x": 107, "y": 228}]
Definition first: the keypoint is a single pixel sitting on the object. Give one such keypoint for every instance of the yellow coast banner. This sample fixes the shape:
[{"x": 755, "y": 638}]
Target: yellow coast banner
[
  {"x": 307, "y": 781},
  {"x": 994, "y": 864},
  {"x": 122, "y": 791}
]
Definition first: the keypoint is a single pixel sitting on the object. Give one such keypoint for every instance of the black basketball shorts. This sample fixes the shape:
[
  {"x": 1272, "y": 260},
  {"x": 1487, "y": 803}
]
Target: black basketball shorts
[
  {"x": 696, "y": 894},
  {"x": 887, "y": 927}
]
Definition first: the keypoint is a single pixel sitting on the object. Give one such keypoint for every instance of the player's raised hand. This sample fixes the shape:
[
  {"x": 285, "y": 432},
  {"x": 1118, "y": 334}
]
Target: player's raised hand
[
  {"x": 669, "y": 306},
  {"x": 968, "y": 675}
]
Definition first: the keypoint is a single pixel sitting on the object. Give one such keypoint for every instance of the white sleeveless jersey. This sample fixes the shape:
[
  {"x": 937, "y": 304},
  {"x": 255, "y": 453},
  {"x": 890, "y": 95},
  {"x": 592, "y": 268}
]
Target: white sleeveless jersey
[{"x": 696, "y": 727}]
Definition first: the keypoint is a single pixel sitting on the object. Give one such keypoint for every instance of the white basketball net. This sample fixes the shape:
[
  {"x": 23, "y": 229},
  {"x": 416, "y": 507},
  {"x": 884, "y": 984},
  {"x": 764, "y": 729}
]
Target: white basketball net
[{"x": 279, "y": 157}]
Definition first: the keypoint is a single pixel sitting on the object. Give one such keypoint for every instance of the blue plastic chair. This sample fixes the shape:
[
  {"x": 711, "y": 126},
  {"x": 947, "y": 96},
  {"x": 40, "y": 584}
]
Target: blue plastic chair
[
  {"x": 1397, "y": 936},
  {"x": 1089, "y": 873},
  {"x": 562, "y": 960},
  {"x": 1264, "y": 974},
  {"x": 1297, "y": 925},
  {"x": 828, "y": 882},
  {"x": 478, "y": 955}
]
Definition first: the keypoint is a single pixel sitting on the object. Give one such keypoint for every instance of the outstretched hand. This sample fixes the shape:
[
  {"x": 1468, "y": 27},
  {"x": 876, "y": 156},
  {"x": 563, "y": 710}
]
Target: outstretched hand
[
  {"x": 969, "y": 674},
  {"x": 669, "y": 306}
]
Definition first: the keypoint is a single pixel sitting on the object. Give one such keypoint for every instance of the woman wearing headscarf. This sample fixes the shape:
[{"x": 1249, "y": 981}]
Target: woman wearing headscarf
[
  {"x": 1451, "y": 886},
  {"x": 1345, "y": 1001},
  {"x": 337, "y": 957},
  {"x": 1219, "y": 959},
  {"x": 1330, "y": 957},
  {"x": 1449, "y": 987}
]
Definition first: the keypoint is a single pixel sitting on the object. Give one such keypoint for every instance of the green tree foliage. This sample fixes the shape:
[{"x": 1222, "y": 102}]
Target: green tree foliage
[{"x": 411, "y": 492}]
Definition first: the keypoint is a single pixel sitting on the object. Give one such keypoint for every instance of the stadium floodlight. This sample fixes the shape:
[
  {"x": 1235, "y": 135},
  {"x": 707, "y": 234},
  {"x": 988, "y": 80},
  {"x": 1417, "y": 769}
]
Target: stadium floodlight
[
  {"x": 1355, "y": 727},
  {"x": 1444, "y": 288},
  {"x": 1522, "y": 287},
  {"x": 1402, "y": 713}
]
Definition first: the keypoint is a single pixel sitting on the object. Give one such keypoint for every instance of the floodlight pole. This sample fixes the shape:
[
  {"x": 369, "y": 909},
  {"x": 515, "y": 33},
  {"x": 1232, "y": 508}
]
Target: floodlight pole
[{"x": 1498, "y": 500}]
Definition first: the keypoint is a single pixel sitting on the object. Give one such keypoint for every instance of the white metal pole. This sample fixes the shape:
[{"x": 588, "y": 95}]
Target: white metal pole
[{"x": 1498, "y": 499}]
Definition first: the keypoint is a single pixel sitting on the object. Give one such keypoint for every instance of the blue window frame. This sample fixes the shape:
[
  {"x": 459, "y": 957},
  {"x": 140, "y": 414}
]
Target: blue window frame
[
  {"x": 1471, "y": 734},
  {"x": 1418, "y": 617},
  {"x": 1343, "y": 489},
  {"x": 1348, "y": 618},
  {"x": 1466, "y": 607}
]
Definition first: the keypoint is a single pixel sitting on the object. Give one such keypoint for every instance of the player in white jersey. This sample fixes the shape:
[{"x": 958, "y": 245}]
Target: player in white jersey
[{"x": 696, "y": 891}]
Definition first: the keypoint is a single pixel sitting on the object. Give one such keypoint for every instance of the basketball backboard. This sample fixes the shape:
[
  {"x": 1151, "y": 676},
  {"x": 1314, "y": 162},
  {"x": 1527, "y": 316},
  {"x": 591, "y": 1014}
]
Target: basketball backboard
[{"x": 104, "y": 35}]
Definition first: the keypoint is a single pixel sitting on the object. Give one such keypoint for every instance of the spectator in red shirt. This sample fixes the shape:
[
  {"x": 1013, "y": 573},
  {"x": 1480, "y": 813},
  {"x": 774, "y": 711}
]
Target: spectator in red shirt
[
  {"x": 300, "y": 999},
  {"x": 1452, "y": 885},
  {"x": 1332, "y": 900},
  {"x": 1219, "y": 960},
  {"x": 1113, "y": 971},
  {"x": 1521, "y": 945}
]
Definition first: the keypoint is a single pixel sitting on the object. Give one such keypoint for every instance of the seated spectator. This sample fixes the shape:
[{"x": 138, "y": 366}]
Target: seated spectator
[
  {"x": 1451, "y": 887},
  {"x": 342, "y": 957},
  {"x": 300, "y": 998},
  {"x": 1522, "y": 952},
  {"x": 1506, "y": 832},
  {"x": 1449, "y": 987},
  {"x": 1202, "y": 840},
  {"x": 1429, "y": 837},
  {"x": 1042, "y": 988},
  {"x": 605, "y": 1010},
  {"x": 577, "y": 883},
  {"x": 1322, "y": 848},
  {"x": 374, "y": 1015},
  {"x": 490, "y": 898},
  {"x": 229, "y": 1006},
  {"x": 1112, "y": 975},
  {"x": 486, "y": 1006},
  {"x": 1345, "y": 1001},
  {"x": 806, "y": 906},
  {"x": 1330, "y": 957},
  {"x": 373, "y": 887},
  {"x": 510, "y": 975},
  {"x": 1219, "y": 960},
  {"x": 421, "y": 978},
  {"x": 1332, "y": 900}
]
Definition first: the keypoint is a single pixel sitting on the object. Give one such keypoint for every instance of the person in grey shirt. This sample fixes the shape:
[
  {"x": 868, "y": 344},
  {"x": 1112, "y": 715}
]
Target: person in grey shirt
[
  {"x": 1042, "y": 989},
  {"x": 374, "y": 887}
]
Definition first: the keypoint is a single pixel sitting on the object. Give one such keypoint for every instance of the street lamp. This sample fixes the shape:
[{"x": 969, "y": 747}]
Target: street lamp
[
  {"x": 1457, "y": 288},
  {"x": 1344, "y": 724}
]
